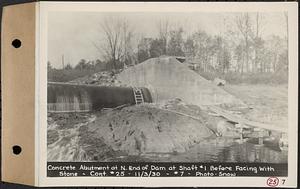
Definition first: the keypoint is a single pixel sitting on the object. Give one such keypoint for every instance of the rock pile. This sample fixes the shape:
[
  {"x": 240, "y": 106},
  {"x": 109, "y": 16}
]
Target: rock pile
[{"x": 105, "y": 78}]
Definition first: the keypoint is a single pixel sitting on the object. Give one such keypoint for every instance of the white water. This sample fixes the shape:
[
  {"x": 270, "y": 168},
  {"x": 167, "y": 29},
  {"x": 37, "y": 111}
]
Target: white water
[{"x": 67, "y": 147}]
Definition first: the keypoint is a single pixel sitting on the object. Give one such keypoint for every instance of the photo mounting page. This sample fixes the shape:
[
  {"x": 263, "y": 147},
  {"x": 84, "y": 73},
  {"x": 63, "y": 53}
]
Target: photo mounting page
[{"x": 168, "y": 94}]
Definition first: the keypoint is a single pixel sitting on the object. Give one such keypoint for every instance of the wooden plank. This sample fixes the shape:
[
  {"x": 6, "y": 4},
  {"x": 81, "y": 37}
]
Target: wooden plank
[
  {"x": 190, "y": 116},
  {"x": 244, "y": 121}
]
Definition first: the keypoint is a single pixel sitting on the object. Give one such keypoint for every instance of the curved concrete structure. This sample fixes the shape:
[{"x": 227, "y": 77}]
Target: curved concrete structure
[
  {"x": 66, "y": 97},
  {"x": 167, "y": 79}
]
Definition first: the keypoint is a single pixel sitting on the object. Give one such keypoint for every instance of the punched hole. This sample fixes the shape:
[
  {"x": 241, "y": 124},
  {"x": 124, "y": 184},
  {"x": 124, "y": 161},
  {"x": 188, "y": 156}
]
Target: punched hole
[
  {"x": 17, "y": 149},
  {"x": 16, "y": 43}
]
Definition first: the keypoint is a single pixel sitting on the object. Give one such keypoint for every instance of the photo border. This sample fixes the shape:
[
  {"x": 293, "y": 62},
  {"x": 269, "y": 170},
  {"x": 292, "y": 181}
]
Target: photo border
[{"x": 41, "y": 86}]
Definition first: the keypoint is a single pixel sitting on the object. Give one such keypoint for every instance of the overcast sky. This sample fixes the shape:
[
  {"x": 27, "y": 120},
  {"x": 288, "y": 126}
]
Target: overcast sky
[{"x": 72, "y": 33}]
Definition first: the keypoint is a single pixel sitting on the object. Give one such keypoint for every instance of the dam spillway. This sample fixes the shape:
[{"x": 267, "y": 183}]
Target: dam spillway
[{"x": 67, "y": 97}]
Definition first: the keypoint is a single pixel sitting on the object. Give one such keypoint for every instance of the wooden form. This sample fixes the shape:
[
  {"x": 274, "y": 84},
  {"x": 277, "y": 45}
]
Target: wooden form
[{"x": 246, "y": 122}]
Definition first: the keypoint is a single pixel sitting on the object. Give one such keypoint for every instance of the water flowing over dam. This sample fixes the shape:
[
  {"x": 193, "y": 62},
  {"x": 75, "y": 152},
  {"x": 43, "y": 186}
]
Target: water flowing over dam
[{"x": 66, "y": 97}]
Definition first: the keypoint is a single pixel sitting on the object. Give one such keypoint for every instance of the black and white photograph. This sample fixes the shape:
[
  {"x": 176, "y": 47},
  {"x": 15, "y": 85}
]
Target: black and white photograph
[
  {"x": 150, "y": 94},
  {"x": 167, "y": 87}
]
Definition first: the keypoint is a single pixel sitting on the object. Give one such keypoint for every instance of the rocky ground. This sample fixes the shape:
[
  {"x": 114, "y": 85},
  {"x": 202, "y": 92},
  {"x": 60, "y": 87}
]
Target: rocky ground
[{"x": 105, "y": 78}]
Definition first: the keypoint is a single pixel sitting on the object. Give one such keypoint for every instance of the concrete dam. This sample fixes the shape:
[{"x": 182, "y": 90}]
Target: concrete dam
[
  {"x": 67, "y": 97},
  {"x": 157, "y": 80}
]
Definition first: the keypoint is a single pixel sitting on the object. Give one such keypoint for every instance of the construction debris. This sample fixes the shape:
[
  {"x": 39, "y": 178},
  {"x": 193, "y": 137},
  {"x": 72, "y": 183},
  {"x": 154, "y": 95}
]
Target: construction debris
[
  {"x": 219, "y": 82},
  {"x": 187, "y": 110},
  {"x": 105, "y": 78}
]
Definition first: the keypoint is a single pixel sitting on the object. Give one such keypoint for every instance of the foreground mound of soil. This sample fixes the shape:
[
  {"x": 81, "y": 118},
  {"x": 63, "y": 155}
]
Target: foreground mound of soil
[{"x": 146, "y": 128}]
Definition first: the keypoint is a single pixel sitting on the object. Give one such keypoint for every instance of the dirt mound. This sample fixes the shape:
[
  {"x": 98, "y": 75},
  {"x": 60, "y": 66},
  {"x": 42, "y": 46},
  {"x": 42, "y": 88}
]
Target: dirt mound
[
  {"x": 167, "y": 79},
  {"x": 105, "y": 78},
  {"x": 128, "y": 131},
  {"x": 147, "y": 128}
]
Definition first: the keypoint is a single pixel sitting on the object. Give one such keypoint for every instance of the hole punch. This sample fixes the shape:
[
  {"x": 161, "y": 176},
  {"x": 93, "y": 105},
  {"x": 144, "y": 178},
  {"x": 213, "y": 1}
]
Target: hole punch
[
  {"x": 17, "y": 149},
  {"x": 16, "y": 43}
]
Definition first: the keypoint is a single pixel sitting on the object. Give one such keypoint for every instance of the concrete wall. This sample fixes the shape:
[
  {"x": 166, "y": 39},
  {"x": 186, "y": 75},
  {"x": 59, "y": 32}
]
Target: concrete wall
[{"x": 167, "y": 78}]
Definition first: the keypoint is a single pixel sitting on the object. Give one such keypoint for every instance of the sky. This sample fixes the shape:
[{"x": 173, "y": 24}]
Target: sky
[{"x": 73, "y": 34}]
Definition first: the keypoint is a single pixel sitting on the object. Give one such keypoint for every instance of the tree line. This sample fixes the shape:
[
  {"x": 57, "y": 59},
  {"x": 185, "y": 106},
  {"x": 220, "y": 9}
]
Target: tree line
[
  {"x": 81, "y": 69},
  {"x": 240, "y": 48}
]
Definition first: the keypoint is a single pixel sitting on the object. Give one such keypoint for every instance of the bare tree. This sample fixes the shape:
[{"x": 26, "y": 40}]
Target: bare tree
[
  {"x": 127, "y": 40},
  {"x": 116, "y": 46},
  {"x": 256, "y": 37},
  {"x": 112, "y": 46},
  {"x": 287, "y": 36},
  {"x": 243, "y": 23},
  {"x": 163, "y": 31}
]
